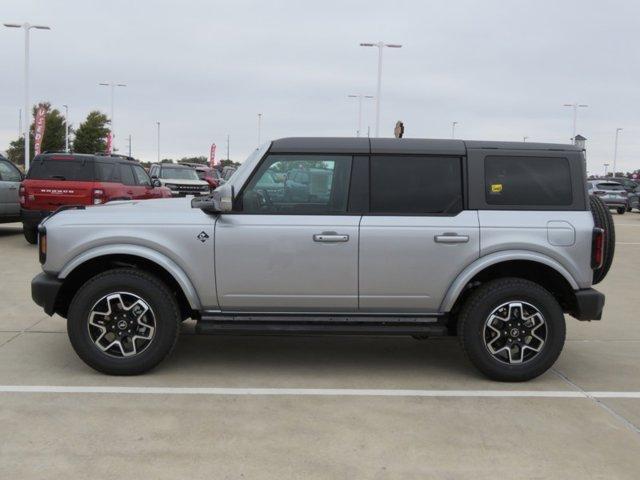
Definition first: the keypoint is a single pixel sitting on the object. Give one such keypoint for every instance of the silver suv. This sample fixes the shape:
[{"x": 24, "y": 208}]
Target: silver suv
[{"x": 492, "y": 242}]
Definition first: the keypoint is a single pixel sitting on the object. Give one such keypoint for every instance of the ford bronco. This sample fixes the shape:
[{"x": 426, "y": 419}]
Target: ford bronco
[{"x": 493, "y": 242}]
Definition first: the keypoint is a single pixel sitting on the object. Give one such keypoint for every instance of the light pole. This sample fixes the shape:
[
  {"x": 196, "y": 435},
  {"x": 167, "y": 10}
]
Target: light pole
[
  {"x": 27, "y": 28},
  {"x": 158, "y": 124},
  {"x": 66, "y": 128},
  {"x": 606, "y": 165},
  {"x": 524, "y": 139},
  {"x": 259, "y": 128},
  {"x": 19, "y": 123},
  {"x": 380, "y": 46},
  {"x": 453, "y": 129},
  {"x": 112, "y": 86},
  {"x": 615, "y": 151},
  {"x": 227, "y": 146},
  {"x": 359, "y": 96},
  {"x": 129, "y": 145},
  {"x": 575, "y": 107}
]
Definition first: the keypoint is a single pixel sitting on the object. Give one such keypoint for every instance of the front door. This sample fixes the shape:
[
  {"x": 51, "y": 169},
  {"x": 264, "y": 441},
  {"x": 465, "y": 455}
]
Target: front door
[
  {"x": 285, "y": 251},
  {"x": 417, "y": 237}
]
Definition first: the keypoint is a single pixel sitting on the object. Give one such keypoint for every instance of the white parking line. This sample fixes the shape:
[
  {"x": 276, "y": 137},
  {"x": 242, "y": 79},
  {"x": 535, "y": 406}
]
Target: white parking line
[
  {"x": 333, "y": 392},
  {"x": 627, "y": 243}
]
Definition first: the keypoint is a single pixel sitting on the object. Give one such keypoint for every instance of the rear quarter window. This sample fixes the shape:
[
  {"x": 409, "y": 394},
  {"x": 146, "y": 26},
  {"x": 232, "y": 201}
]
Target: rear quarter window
[
  {"x": 62, "y": 170},
  {"x": 528, "y": 181}
]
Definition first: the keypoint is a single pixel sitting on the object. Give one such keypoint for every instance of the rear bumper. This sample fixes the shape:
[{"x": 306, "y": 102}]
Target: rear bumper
[
  {"x": 32, "y": 218},
  {"x": 44, "y": 291},
  {"x": 589, "y": 304}
]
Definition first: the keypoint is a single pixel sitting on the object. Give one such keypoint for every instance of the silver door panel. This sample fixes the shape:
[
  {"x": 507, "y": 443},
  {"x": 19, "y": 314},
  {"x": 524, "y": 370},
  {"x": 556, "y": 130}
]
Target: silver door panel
[{"x": 407, "y": 263}]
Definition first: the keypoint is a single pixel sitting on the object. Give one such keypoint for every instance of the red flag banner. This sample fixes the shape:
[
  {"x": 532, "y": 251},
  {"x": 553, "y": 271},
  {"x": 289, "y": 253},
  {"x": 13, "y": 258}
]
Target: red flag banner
[
  {"x": 108, "y": 147},
  {"x": 212, "y": 155},
  {"x": 39, "y": 129}
]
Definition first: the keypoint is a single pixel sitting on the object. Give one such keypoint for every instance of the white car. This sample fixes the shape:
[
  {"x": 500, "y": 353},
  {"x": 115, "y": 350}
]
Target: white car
[{"x": 180, "y": 179}]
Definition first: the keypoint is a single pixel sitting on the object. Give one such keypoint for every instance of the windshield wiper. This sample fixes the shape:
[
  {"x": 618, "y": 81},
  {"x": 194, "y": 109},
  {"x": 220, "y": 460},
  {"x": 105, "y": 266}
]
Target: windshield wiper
[{"x": 58, "y": 177}]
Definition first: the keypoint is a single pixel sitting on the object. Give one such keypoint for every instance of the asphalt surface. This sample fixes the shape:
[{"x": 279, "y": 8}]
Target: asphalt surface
[{"x": 242, "y": 407}]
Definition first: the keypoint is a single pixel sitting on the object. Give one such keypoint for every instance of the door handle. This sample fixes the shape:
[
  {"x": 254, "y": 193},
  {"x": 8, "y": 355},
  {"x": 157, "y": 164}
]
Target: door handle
[
  {"x": 330, "y": 237},
  {"x": 451, "y": 238}
]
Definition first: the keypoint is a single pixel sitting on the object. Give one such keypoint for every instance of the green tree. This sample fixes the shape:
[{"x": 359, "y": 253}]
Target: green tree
[
  {"x": 52, "y": 141},
  {"x": 91, "y": 135},
  {"x": 201, "y": 160},
  {"x": 229, "y": 163}
]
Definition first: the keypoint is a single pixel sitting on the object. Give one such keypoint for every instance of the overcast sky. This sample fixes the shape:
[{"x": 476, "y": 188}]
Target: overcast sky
[{"x": 205, "y": 69}]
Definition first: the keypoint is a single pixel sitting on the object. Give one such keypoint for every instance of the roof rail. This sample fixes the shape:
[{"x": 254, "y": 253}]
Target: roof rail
[{"x": 115, "y": 155}]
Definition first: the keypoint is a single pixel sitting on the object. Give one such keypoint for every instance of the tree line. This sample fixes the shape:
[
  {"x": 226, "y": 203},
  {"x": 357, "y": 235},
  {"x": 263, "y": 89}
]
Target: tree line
[{"x": 89, "y": 137}]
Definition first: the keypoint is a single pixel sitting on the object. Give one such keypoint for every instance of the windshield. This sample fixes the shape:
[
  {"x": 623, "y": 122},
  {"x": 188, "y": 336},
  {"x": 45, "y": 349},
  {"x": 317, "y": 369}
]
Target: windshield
[
  {"x": 610, "y": 186},
  {"x": 178, "y": 173}
]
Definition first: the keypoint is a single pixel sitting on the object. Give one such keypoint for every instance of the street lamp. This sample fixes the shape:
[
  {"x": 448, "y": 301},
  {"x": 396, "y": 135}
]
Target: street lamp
[
  {"x": 606, "y": 165},
  {"x": 112, "y": 86},
  {"x": 453, "y": 129},
  {"x": 380, "y": 46},
  {"x": 27, "y": 115},
  {"x": 575, "y": 107},
  {"x": 66, "y": 128},
  {"x": 524, "y": 139},
  {"x": 158, "y": 124},
  {"x": 359, "y": 96},
  {"x": 615, "y": 151},
  {"x": 259, "y": 128}
]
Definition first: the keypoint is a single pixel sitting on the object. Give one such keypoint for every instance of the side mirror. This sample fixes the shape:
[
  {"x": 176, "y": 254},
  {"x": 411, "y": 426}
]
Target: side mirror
[
  {"x": 155, "y": 183},
  {"x": 219, "y": 201}
]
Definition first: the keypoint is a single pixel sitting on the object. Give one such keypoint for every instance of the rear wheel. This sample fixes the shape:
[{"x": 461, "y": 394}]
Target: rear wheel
[
  {"x": 511, "y": 329},
  {"x": 621, "y": 210},
  {"x": 123, "y": 322},
  {"x": 30, "y": 234}
]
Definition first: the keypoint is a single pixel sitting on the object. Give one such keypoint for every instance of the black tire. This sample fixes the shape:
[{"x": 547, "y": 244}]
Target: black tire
[
  {"x": 152, "y": 291},
  {"x": 621, "y": 210},
  {"x": 477, "y": 309},
  {"x": 602, "y": 219},
  {"x": 30, "y": 234}
]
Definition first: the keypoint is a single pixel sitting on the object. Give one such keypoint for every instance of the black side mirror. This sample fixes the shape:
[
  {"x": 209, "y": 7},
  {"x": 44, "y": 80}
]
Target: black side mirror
[{"x": 155, "y": 183}]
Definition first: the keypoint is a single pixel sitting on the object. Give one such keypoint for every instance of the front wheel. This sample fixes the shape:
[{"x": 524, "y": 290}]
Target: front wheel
[
  {"x": 511, "y": 329},
  {"x": 123, "y": 322},
  {"x": 621, "y": 210}
]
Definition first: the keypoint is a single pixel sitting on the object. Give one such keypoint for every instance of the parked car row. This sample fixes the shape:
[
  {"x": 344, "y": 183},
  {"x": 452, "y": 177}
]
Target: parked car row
[
  {"x": 617, "y": 193},
  {"x": 55, "y": 180}
]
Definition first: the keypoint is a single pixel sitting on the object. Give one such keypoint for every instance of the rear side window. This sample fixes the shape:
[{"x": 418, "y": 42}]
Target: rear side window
[
  {"x": 527, "y": 181},
  {"x": 126, "y": 174},
  {"x": 107, "y": 172},
  {"x": 416, "y": 185},
  {"x": 69, "y": 170}
]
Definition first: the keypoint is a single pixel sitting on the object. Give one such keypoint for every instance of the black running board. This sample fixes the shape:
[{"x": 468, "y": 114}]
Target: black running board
[{"x": 322, "y": 325}]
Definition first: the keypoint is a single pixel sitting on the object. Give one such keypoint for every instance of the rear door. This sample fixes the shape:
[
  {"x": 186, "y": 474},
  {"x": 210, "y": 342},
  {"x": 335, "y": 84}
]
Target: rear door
[
  {"x": 274, "y": 253},
  {"x": 10, "y": 178},
  {"x": 55, "y": 181},
  {"x": 417, "y": 237}
]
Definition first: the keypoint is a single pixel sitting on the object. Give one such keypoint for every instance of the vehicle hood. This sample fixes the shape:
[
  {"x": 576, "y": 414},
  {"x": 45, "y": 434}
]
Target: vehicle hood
[
  {"x": 164, "y": 211},
  {"x": 179, "y": 181}
]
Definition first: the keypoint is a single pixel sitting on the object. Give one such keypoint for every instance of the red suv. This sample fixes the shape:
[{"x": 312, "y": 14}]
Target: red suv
[
  {"x": 57, "y": 179},
  {"x": 206, "y": 173}
]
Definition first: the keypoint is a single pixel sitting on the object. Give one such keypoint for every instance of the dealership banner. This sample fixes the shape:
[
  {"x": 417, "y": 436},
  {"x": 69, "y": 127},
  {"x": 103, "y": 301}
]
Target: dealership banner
[
  {"x": 39, "y": 129},
  {"x": 109, "y": 140},
  {"x": 212, "y": 155}
]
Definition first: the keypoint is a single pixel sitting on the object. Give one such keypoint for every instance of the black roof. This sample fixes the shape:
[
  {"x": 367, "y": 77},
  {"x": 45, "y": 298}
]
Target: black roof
[
  {"x": 87, "y": 157},
  {"x": 402, "y": 145}
]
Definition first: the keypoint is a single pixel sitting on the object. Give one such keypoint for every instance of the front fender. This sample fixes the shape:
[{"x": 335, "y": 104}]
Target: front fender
[
  {"x": 455, "y": 289},
  {"x": 138, "y": 251}
]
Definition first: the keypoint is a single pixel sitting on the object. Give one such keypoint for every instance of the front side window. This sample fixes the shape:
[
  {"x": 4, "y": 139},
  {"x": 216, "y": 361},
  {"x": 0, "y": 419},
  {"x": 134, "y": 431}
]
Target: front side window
[
  {"x": 141, "y": 176},
  {"x": 416, "y": 185},
  {"x": 529, "y": 181},
  {"x": 295, "y": 184},
  {"x": 9, "y": 173}
]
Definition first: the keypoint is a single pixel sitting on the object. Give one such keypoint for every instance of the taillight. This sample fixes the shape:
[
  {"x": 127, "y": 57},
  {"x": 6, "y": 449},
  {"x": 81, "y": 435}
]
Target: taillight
[
  {"x": 23, "y": 195},
  {"x": 597, "y": 248},
  {"x": 600, "y": 192},
  {"x": 624, "y": 193},
  {"x": 42, "y": 244},
  {"x": 98, "y": 196}
]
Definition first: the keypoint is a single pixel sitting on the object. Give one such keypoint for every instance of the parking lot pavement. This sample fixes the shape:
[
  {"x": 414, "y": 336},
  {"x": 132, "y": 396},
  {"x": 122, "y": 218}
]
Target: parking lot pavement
[{"x": 164, "y": 433}]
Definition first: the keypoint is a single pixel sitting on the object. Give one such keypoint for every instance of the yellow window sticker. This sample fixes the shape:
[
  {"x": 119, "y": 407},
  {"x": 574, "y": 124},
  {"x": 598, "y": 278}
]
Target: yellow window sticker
[{"x": 496, "y": 187}]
